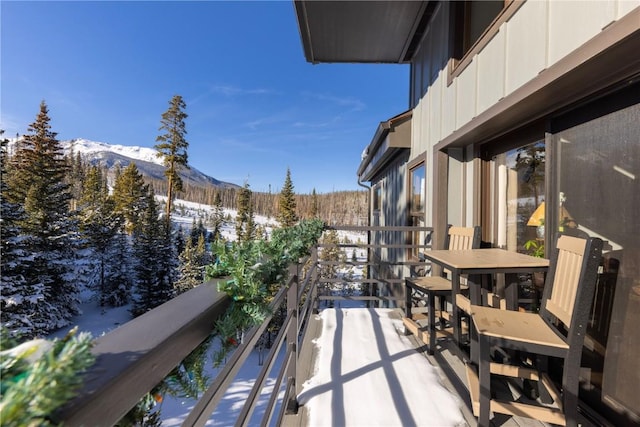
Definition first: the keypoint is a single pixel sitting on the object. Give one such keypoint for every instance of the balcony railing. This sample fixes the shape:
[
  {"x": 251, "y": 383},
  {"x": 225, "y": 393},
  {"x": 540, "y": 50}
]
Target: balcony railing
[{"x": 133, "y": 359}]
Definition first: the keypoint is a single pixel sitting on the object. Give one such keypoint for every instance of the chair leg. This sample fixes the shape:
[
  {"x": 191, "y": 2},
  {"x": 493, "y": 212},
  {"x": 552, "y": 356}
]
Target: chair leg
[
  {"x": 484, "y": 379},
  {"x": 432, "y": 322},
  {"x": 570, "y": 385}
]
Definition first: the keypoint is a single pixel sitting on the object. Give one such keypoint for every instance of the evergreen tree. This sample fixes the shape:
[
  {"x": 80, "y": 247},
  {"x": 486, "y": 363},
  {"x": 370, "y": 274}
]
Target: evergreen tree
[
  {"x": 172, "y": 147},
  {"x": 287, "y": 203},
  {"x": 129, "y": 193},
  {"x": 76, "y": 177},
  {"x": 315, "y": 208},
  {"x": 37, "y": 182},
  {"x": 197, "y": 229},
  {"x": 119, "y": 275},
  {"x": 151, "y": 251},
  {"x": 245, "y": 221},
  {"x": 19, "y": 299},
  {"x": 179, "y": 240},
  {"x": 217, "y": 219},
  {"x": 330, "y": 253},
  {"x": 99, "y": 225},
  {"x": 192, "y": 262}
]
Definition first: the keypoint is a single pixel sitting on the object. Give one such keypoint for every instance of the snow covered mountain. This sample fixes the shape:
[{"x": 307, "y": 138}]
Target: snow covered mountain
[{"x": 145, "y": 159}]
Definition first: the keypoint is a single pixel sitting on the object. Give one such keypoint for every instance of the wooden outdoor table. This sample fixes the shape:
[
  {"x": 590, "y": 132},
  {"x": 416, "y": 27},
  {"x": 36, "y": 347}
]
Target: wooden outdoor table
[{"x": 476, "y": 263}]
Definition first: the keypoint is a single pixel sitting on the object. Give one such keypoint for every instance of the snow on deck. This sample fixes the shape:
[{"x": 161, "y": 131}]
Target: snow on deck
[{"x": 366, "y": 373}]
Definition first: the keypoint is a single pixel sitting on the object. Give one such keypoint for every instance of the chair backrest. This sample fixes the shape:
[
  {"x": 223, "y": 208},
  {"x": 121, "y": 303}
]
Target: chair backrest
[
  {"x": 460, "y": 238},
  {"x": 571, "y": 282}
]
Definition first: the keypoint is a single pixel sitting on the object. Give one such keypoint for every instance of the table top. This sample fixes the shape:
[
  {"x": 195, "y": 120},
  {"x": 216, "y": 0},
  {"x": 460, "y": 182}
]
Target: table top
[{"x": 490, "y": 258}]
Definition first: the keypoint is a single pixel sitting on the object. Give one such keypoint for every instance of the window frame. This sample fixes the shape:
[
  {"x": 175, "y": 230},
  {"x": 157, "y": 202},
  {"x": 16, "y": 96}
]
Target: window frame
[
  {"x": 376, "y": 198},
  {"x": 459, "y": 58},
  {"x": 412, "y": 214}
]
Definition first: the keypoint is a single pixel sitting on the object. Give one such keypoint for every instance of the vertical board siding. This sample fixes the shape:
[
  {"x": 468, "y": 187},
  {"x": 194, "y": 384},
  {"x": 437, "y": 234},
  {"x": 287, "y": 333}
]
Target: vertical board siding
[{"x": 526, "y": 44}]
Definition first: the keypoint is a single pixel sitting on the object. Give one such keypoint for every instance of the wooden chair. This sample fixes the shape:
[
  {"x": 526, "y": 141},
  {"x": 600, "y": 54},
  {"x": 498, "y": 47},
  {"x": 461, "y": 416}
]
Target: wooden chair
[
  {"x": 430, "y": 287},
  {"x": 558, "y": 330}
]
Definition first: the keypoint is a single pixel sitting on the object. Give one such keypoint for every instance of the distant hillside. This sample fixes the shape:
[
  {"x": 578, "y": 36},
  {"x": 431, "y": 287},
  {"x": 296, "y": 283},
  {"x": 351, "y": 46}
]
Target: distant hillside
[
  {"x": 145, "y": 159},
  {"x": 342, "y": 207}
]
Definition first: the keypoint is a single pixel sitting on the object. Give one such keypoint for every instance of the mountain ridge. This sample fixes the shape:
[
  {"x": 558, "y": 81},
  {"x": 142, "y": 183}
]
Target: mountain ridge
[{"x": 146, "y": 160}]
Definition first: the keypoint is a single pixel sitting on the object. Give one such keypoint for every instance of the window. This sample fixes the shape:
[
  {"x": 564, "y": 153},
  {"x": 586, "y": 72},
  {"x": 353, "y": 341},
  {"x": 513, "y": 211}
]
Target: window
[
  {"x": 596, "y": 188},
  {"x": 377, "y": 198},
  {"x": 417, "y": 202},
  {"x": 520, "y": 198},
  {"x": 474, "y": 23}
]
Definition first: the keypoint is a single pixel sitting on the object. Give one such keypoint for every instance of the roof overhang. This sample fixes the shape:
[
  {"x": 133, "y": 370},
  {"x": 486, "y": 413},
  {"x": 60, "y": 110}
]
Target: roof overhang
[
  {"x": 360, "y": 31},
  {"x": 391, "y": 137}
]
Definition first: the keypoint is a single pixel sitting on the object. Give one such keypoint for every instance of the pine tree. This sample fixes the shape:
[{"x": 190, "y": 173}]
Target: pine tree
[
  {"x": 315, "y": 208},
  {"x": 217, "y": 218},
  {"x": 119, "y": 275},
  {"x": 245, "y": 221},
  {"x": 100, "y": 224},
  {"x": 197, "y": 229},
  {"x": 129, "y": 193},
  {"x": 331, "y": 253},
  {"x": 37, "y": 182},
  {"x": 287, "y": 203},
  {"x": 76, "y": 177},
  {"x": 172, "y": 147},
  {"x": 153, "y": 282},
  {"x": 19, "y": 299},
  {"x": 192, "y": 261}
]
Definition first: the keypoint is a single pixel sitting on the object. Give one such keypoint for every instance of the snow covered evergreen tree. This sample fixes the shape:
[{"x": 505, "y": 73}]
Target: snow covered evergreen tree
[
  {"x": 36, "y": 181},
  {"x": 245, "y": 220},
  {"x": 217, "y": 218},
  {"x": 119, "y": 272},
  {"x": 129, "y": 192},
  {"x": 19, "y": 298},
  {"x": 197, "y": 229},
  {"x": 192, "y": 262},
  {"x": 100, "y": 224},
  {"x": 154, "y": 255},
  {"x": 287, "y": 215}
]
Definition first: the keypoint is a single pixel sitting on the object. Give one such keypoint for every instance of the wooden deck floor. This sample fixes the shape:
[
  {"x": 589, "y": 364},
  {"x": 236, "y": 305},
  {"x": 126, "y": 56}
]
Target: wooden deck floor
[{"x": 445, "y": 358}]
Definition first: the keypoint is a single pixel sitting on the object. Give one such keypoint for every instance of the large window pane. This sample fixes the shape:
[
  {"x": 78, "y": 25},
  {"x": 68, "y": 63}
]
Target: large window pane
[
  {"x": 598, "y": 193},
  {"x": 521, "y": 198}
]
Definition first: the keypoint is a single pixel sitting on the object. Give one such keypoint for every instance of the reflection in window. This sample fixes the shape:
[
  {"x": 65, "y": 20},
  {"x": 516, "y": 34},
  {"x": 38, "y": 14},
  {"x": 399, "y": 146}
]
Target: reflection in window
[
  {"x": 521, "y": 208},
  {"x": 472, "y": 19},
  {"x": 598, "y": 188},
  {"x": 417, "y": 204}
]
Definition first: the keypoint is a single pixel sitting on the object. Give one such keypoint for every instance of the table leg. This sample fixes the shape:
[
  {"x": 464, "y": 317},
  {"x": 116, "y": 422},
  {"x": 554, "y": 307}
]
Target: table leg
[
  {"x": 475, "y": 288},
  {"x": 511, "y": 290},
  {"x": 455, "y": 317},
  {"x": 407, "y": 299},
  {"x": 475, "y": 282}
]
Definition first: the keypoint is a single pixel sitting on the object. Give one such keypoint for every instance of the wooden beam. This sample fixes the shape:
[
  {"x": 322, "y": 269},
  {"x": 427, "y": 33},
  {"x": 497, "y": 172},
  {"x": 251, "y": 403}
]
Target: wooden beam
[{"x": 135, "y": 357}]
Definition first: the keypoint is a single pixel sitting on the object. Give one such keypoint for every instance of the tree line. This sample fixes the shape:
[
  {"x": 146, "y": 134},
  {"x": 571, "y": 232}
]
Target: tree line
[{"x": 339, "y": 207}]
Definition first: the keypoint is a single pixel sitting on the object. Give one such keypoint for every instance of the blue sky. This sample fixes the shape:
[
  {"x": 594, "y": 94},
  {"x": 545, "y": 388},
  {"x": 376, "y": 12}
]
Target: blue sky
[{"x": 107, "y": 71}]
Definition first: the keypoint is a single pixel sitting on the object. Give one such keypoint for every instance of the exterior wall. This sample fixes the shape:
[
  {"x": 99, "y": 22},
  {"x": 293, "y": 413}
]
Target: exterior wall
[
  {"x": 539, "y": 35},
  {"x": 533, "y": 39}
]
